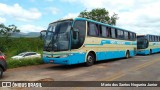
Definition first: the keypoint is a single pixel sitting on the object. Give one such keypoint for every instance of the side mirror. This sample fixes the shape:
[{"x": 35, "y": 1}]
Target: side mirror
[{"x": 43, "y": 34}]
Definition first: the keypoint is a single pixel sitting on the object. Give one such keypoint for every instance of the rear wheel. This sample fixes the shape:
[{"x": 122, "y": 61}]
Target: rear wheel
[
  {"x": 150, "y": 52},
  {"x": 1, "y": 72},
  {"x": 90, "y": 59},
  {"x": 127, "y": 54}
]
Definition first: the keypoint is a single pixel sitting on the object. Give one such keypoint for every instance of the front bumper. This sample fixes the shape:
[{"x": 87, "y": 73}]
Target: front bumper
[
  {"x": 143, "y": 52},
  {"x": 75, "y": 58}
]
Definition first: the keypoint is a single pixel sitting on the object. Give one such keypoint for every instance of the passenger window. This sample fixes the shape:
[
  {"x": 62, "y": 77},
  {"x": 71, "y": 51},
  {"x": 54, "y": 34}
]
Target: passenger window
[
  {"x": 109, "y": 31},
  {"x": 131, "y": 36},
  {"x": 104, "y": 31},
  {"x": 81, "y": 26},
  {"x": 120, "y": 34},
  {"x": 113, "y": 33},
  {"x": 93, "y": 29},
  {"x": 157, "y": 38},
  {"x": 126, "y": 35},
  {"x": 152, "y": 38},
  {"x": 134, "y": 36}
]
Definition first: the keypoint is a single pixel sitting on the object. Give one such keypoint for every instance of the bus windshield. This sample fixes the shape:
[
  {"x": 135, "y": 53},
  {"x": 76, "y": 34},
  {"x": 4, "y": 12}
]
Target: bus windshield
[
  {"x": 58, "y": 36},
  {"x": 142, "y": 43}
]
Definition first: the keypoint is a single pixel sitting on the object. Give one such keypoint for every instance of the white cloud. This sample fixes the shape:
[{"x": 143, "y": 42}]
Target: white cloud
[
  {"x": 30, "y": 28},
  {"x": 19, "y": 13},
  {"x": 49, "y": 0},
  {"x": 71, "y": 15},
  {"x": 2, "y": 20},
  {"x": 141, "y": 16},
  {"x": 52, "y": 10},
  {"x": 70, "y": 1}
]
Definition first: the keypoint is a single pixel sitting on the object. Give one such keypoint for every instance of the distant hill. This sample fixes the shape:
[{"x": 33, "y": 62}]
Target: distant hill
[{"x": 30, "y": 34}]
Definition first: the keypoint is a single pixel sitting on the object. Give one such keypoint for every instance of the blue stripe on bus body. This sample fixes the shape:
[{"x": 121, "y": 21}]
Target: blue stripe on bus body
[
  {"x": 147, "y": 51},
  {"x": 113, "y": 42},
  {"x": 77, "y": 58},
  {"x": 143, "y": 52}
]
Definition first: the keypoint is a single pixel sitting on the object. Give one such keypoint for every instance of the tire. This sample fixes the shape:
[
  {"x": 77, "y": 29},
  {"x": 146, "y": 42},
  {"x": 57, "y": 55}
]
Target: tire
[
  {"x": 150, "y": 52},
  {"x": 90, "y": 59},
  {"x": 127, "y": 55},
  {"x": 1, "y": 72}
]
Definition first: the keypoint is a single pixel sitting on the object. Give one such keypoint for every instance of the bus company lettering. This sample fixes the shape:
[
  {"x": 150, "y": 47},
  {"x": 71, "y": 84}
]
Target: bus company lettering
[{"x": 117, "y": 42}]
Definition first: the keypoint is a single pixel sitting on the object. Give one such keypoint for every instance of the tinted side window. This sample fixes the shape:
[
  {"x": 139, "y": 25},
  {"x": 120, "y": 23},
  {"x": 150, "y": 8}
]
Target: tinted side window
[
  {"x": 32, "y": 53},
  {"x": 113, "y": 33},
  {"x": 27, "y": 54},
  {"x": 120, "y": 34},
  {"x": 152, "y": 38},
  {"x": 104, "y": 31},
  {"x": 92, "y": 29},
  {"x": 134, "y": 36},
  {"x": 126, "y": 35},
  {"x": 131, "y": 36},
  {"x": 81, "y": 26},
  {"x": 157, "y": 39}
]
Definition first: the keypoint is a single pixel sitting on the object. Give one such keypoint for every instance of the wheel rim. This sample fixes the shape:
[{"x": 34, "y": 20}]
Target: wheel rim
[
  {"x": 127, "y": 55},
  {"x": 90, "y": 59}
]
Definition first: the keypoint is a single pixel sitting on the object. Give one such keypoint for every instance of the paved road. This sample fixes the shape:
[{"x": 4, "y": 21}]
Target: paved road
[{"x": 138, "y": 68}]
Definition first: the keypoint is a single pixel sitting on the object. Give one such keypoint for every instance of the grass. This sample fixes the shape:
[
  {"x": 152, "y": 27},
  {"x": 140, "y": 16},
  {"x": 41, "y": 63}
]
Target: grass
[
  {"x": 13, "y": 46},
  {"x": 23, "y": 62}
]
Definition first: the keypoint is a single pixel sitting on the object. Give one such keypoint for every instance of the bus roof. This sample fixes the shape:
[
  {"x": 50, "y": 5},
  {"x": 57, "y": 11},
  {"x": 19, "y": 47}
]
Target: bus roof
[
  {"x": 79, "y": 18},
  {"x": 148, "y": 35},
  {"x": 102, "y": 24},
  {"x": 152, "y": 35}
]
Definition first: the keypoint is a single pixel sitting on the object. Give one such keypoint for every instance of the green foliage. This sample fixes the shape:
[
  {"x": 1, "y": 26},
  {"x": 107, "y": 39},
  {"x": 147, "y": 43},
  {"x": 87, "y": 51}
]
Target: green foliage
[
  {"x": 14, "y": 46},
  {"x": 23, "y": 62},
  {"x": 101, "y": 15},
  {"x": 7, "y": 31}
]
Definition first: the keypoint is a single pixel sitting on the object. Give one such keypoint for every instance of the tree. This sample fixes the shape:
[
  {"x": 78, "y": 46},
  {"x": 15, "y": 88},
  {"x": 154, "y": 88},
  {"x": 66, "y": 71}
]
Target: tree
[
  {"x": 101, "y": 15},
  {"x": 7, "y": 31}
]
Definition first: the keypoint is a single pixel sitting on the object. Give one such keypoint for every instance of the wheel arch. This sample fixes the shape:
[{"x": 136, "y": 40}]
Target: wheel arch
[{"x": 93, "y": 52}]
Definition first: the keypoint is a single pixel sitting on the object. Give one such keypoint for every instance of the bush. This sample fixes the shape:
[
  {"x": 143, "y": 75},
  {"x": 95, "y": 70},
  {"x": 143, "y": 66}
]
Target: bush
[{"x": 23, "y": 62}]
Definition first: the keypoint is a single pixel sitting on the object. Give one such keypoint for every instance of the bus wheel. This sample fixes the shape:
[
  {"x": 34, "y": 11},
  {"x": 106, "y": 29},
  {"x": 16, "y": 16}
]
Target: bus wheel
[
  {"x": 90, "y": 59},
  {"x": 127, "y": 54},
  {"x": 1, "y": 72},
  {"x": 150, "y": 52}
]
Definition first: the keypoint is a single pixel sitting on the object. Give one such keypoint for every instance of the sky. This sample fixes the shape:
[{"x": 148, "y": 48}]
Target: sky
[{"x": 140, "y": 16}]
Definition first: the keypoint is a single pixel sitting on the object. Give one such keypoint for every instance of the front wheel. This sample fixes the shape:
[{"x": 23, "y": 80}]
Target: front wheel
[
  {"x": 150, "y": 52},
  {"x": 1, "y": 72},
  {"x": 90, "y": 59}
]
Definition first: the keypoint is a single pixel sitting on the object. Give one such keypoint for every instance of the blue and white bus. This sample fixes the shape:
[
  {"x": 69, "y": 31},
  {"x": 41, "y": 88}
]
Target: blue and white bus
[
  {"x": 148, "y": 44},
  {"x": 80, "y": 40}
]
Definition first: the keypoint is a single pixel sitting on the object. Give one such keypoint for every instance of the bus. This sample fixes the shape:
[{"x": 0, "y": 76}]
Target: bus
[
  {"x": 148, "y": 44},
  {"x": 81, "y": 40}
]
